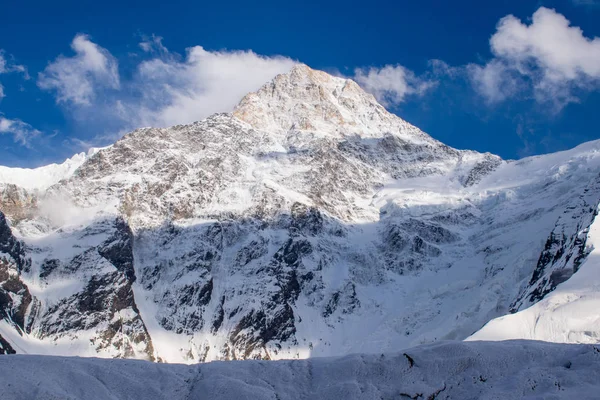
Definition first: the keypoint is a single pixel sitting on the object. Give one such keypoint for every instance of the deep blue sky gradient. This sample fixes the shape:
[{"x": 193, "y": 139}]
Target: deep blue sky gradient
[{"x": 329, "y": 35}]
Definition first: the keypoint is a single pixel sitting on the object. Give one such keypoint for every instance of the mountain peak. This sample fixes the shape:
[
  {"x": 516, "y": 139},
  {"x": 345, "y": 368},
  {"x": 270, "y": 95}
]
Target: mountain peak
[
  {"x": 303, "y": 74},
  {"x": 305, "y": 99}
]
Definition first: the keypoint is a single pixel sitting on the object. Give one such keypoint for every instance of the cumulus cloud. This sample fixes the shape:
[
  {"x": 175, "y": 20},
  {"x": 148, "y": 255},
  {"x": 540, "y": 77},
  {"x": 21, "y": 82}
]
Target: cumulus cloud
[
  {"x": 562, "y": 51},
  {"x": 76, "y": 79},
  {"x": 165, "y": 89},
  {"x": 392, "y": 83},
  {"x": 554, "y": 58},
  {"x": 22, "y": 132},
  {"x": 171, "y": 90}
]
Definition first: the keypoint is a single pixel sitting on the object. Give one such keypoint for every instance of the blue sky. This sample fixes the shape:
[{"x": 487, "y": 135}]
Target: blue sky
[{"x": 76, "y": 74}]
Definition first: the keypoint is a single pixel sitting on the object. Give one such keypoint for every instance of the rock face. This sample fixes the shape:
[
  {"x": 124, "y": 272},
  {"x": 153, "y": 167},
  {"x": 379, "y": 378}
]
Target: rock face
[
  {"x": 15, "y": 298},
  {"x": 565, "y": 249},
  {"x": 94, "y": 284},
  {"x": 309, "y": 221}
]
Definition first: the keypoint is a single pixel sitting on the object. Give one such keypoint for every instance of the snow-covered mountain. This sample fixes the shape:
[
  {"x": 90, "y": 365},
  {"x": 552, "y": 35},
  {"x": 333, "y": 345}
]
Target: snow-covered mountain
[{"x": 308, "y": 222}]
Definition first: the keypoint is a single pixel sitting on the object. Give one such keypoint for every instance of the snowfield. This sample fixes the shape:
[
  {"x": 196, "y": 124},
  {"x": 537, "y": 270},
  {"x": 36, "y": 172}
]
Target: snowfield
[
  {"x": 447, "y": 370},
  {"x": 569, "y": 314}
]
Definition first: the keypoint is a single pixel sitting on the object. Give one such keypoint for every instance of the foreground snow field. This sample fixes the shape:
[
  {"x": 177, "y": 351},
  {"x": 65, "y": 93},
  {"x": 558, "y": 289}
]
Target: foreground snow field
[{"x": 446, "y": 370}]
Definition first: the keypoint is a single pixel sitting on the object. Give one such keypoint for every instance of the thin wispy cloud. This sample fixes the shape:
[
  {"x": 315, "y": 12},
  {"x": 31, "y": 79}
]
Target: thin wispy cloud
[
  {"x": 494, "y": 81},
  {"x": 8, "y": 65},
  {"x": 77, "y": 79},
  {"x": 153, "y": 44},
  {"x": 22, "y": 132},
  {"x": 392, "y": 84}
]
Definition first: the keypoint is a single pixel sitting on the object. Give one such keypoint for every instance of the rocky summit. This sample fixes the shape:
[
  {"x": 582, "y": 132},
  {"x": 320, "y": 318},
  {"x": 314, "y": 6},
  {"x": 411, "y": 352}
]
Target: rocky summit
[{"x": 308, "y": 222}]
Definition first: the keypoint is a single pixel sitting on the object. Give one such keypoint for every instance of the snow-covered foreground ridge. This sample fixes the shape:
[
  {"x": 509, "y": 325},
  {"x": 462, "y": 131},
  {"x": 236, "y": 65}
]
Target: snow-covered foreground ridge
[
  {"x": 307, "y": 222},
  {"x": 450, "y": 370}
]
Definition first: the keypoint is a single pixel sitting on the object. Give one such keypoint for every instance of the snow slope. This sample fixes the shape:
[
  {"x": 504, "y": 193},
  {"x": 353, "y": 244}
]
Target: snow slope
[
  {"x": 448, "y": 370},
  {"x": 569, "y": 314},
  {"x": 42, "y": 178}
]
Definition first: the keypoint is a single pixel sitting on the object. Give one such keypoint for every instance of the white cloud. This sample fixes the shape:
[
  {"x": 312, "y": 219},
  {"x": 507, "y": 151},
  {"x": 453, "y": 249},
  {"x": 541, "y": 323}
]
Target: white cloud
[
  {"x": 76, "y": 79},
  {"x": 561, "y": 50},
  {"x": 166, "y": 89},
  {"x": 555, "y": 58},
  {"x": 153, "y": 44},
  {"x": 440, "y": 68},
  {"x": 21, "y": 131},
  {"x": 172, "y": 91},
  {"x": 8, "y": 66},
  {"x": 392, "y": 83},
  {"x": 494, "y": 81}
]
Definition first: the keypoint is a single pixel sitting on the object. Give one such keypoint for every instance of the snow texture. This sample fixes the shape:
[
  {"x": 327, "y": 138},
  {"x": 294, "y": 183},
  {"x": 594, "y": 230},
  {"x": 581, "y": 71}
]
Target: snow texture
[{"x": 448, "y": 370}]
